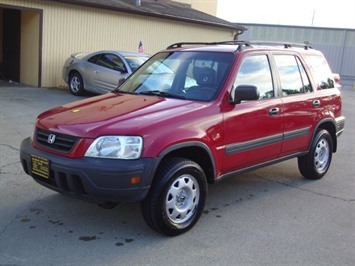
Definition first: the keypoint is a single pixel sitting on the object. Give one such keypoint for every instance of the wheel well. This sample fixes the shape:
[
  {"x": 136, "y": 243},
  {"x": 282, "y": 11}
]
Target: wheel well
[
  {"x": 198, "y": 155},
  {"x": 73, "y": 72},
  {"x": 330, "y": 127}
]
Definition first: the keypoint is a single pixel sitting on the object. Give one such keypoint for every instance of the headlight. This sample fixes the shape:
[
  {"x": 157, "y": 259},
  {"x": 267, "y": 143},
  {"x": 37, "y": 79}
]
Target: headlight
[{"x": 116, "y": 147}]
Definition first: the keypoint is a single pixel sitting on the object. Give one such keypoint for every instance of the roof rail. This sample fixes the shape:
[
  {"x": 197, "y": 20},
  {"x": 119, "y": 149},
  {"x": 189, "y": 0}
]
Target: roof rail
[
  {"x": 304, "y": 45},
  {"x": 180, "y": 44},
  {"x": 239, "y": 43},
  {"x": 244, "y": 44}
]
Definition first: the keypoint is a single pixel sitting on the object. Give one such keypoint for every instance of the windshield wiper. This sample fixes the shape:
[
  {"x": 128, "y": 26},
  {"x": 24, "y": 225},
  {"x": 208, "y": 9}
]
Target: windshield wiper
[{"x": 162, "y": 93}]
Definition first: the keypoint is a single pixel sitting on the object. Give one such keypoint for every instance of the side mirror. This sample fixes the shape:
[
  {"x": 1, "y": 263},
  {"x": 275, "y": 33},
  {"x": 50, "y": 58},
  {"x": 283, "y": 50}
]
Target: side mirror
[
  {"x": 120, "y": 69},
  {"x": 244, "y": 93},
  {"x": 120, "y": 81}
]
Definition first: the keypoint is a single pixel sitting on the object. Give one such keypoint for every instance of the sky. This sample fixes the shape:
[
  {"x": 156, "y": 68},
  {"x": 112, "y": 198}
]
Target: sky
[{"x": 313, "y": 13}]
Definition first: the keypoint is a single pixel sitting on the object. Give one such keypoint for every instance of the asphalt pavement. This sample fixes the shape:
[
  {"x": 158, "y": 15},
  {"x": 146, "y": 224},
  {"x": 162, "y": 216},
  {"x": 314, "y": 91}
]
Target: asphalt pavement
[{"x": 271, "y": 216}]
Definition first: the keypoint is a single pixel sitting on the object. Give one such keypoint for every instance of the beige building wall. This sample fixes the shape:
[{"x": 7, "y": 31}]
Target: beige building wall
[
  {"x": 70, "y": 28},
  {"x": 206, "y": 6}
]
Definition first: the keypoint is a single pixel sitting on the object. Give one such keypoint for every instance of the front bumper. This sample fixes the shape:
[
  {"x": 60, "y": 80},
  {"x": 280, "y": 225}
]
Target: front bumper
[
  {"x": 340, "y": 123},
  {"x": 92, "y": 179}
]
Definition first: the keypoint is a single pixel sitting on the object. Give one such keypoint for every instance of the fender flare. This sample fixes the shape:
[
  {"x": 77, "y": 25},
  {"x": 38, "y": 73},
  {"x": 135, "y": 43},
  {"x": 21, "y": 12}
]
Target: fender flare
[
  {"x": 332, "y": 131},
  {"x": 188, "y": 144}
]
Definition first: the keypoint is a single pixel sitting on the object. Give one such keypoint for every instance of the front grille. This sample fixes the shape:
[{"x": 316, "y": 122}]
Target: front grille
[{"x": 62, "y": 143}]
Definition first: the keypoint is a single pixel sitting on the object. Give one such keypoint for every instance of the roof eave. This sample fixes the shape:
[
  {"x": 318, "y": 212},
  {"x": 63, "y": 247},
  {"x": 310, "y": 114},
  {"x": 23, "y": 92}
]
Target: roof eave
[
  {"x": 196, "y": 21},
  {"x": 234, "y": 27}
]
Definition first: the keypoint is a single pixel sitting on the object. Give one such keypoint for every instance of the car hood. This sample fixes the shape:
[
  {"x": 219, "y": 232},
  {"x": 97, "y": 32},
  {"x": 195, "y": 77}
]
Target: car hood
[{"x": 113, "y": 113}]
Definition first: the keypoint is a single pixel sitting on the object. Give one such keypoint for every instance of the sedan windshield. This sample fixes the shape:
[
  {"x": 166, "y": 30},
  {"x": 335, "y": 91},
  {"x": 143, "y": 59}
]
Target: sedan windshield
[
  {"x": 135, "y": 61},
  {"x": 184, "y": 75}
]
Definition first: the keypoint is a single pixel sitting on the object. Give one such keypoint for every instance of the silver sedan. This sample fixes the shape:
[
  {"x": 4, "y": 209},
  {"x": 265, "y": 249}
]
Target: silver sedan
[{"x": 99, "y": 72}]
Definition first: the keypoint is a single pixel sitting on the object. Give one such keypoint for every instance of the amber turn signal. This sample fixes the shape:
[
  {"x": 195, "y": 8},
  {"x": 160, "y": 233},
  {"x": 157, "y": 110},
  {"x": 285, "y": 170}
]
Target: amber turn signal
[{"x": 135, "y": 180}]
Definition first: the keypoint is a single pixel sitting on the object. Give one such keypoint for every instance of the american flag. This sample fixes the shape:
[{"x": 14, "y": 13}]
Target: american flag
[{"x": 140, "y": 47}]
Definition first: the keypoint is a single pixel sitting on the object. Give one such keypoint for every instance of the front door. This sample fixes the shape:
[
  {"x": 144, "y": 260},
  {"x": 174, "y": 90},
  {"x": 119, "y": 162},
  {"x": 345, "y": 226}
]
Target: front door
[
  {"x": 106, "y": 72},
  {"x": 254, "y": 129}
]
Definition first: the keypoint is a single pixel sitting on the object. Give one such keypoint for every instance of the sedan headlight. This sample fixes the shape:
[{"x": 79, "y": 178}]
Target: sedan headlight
[{"x": 116, "y": 147}]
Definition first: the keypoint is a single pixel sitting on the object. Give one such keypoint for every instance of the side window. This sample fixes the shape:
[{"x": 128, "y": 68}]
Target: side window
[
  {"x": 255, "y": 70},
  {"x": 321, "y": 71},
  {"x": 93, "y": 59},
  {"x": 110, "y": 61},
  {"x": 293, "y": 78}
]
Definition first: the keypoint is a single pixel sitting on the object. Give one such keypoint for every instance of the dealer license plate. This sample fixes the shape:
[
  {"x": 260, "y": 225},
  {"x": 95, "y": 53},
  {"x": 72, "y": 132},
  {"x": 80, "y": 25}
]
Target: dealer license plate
[{"x": 40, "y": 166}]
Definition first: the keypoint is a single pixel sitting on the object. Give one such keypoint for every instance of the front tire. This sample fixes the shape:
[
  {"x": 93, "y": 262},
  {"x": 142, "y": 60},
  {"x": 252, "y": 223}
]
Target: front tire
[
  {"x": 316, "y": 163},
  {"x": 76, "y": 84},
  {"x": 177, "y": 197}
]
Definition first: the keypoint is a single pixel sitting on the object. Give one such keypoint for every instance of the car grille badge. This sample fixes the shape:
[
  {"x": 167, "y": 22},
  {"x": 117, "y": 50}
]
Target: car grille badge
[{"x": 51, "y": 138}]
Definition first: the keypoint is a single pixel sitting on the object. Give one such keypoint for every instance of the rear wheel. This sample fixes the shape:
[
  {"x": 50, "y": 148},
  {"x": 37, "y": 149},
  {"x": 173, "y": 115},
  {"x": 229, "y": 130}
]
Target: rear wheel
[
  {"x": 316, "y": 163},
  {"x": 176, "y": 199},
  {"x": 76, "y": 84}
]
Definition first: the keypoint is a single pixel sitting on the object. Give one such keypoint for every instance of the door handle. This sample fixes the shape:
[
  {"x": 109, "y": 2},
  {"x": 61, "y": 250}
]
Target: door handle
[
  {"x": 316, "y": 103},
  {"x": 274, "y": 111}
]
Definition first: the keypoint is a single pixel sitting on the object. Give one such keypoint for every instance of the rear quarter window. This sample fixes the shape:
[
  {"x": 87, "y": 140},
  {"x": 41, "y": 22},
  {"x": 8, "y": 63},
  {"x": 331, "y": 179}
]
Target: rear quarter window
[{"x": 321, "y": 71}]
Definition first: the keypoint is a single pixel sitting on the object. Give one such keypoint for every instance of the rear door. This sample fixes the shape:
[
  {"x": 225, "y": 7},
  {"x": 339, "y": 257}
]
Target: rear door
[
  {"x": 301, "y": 104},
  {"x": 254, "y": 129}
]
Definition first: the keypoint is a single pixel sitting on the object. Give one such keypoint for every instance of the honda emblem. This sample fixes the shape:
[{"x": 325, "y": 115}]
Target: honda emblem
[{"x": 51, "y": 138}]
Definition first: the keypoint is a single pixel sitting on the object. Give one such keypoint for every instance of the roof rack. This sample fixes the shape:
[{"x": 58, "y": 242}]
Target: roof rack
[
  {"x": 304, "y": 45},
  {"x": 243, "y": 44},
  {"x": 181, "y": 44}
]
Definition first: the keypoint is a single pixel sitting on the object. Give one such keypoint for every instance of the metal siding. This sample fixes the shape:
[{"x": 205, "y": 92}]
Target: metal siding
[
  {"x": 348, "y": 62},
  {"x": 338, "y": 45},
  {"x": 69, "y": 28}
]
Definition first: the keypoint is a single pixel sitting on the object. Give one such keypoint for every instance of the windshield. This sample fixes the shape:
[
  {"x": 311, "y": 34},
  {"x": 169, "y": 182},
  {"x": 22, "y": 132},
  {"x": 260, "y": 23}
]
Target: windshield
[
  {"x": 185, "y": 75},
  {"x": 135, "y": 61}
]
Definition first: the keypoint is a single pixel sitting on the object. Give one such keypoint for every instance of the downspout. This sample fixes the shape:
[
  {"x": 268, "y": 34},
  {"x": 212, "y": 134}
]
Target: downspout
[{"x": 237, "y": 34}]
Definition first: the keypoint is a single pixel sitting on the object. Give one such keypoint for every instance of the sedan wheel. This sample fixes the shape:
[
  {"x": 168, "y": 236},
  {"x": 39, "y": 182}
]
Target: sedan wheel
[{"x": 76, "y": 85}]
